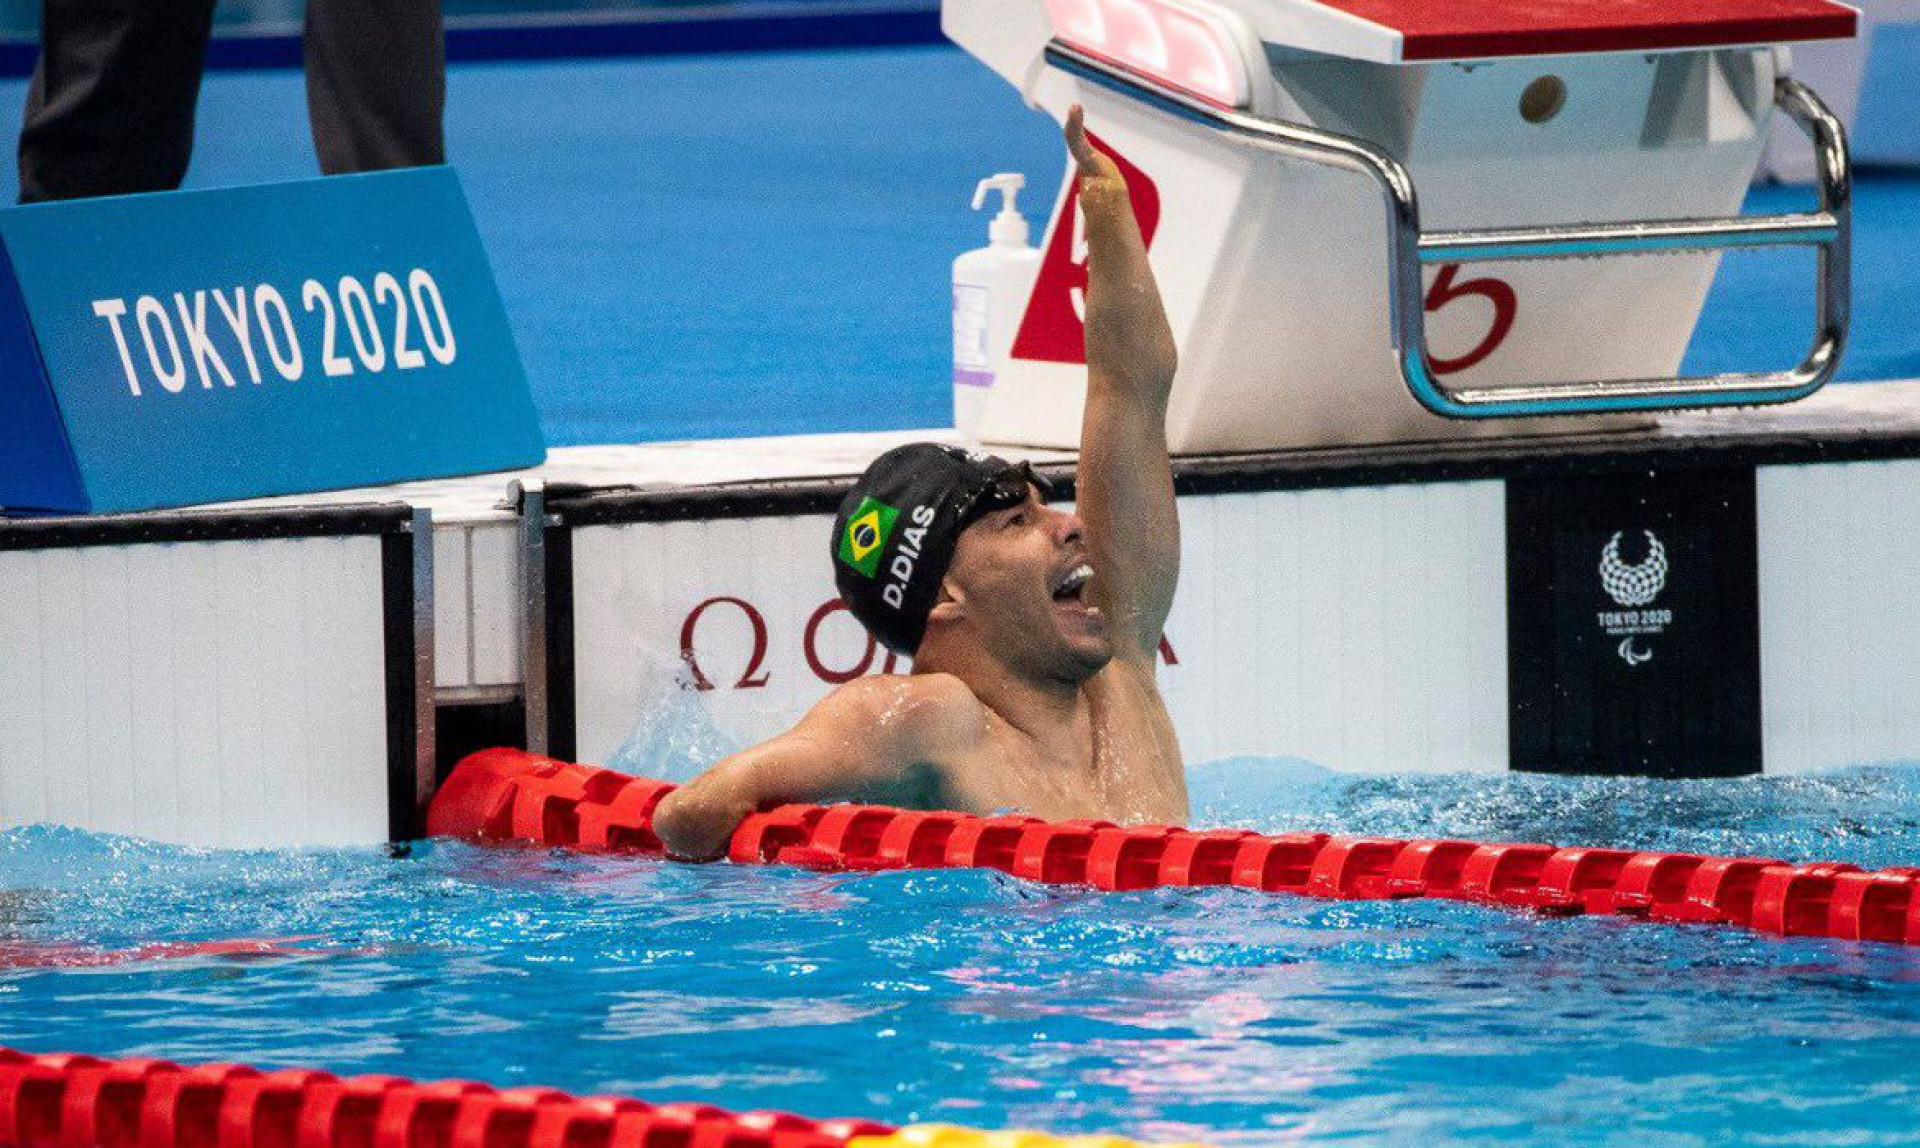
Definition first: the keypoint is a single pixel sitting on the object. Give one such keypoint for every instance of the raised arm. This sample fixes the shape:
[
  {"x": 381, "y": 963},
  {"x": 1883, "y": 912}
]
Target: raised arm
[
  {"x": 876, "y": 739},
  {"x": 1125, "y": 488}
]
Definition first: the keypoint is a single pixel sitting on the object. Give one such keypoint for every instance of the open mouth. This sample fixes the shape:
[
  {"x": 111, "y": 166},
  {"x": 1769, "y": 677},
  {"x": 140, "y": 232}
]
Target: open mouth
[{"x": 1073, "y": 584}]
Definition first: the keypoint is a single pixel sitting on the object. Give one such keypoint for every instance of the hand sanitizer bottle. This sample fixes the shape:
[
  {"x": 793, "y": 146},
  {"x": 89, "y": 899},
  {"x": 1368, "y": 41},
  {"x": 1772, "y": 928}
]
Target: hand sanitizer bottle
[{"x": 990, "y": 289}]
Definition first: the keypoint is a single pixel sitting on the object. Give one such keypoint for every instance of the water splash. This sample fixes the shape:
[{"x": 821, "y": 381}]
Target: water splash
[{"x": 672, "y": 738}]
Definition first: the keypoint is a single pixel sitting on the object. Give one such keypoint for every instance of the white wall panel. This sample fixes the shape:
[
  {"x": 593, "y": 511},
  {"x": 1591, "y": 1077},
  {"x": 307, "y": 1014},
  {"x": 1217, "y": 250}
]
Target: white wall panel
[
  {"x": 22, "y": 684},
  {"x": 454, "y": 615},
  {"x": 637, "y": 586},
  {"x": 477, "y": 606},
  {"x": 1363, "y": 628},
  {"x": 219, "y": 693},
  {"x": 1839, "y": 620},
  {"x": 493, "y": 580},
  {"x": 62, "y": 694},
  {"x": 106, "y": 580},
  {"x": 241, "y": 730}
]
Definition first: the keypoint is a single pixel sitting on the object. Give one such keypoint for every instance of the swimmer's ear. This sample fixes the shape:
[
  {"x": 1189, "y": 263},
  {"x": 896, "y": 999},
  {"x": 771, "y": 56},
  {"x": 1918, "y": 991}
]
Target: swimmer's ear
[{"x": 951, "y": 606}]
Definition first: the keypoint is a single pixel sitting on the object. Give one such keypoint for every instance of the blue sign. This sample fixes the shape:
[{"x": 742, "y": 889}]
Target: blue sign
[{"x": 161, "y": 350}]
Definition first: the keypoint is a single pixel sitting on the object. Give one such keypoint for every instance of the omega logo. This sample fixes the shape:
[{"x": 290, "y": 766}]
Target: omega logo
[{"x": 755, "y": 675}]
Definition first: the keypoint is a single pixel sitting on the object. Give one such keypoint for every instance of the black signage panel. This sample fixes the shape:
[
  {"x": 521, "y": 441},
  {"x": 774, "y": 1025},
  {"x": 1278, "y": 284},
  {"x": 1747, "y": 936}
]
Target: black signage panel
[{"x": 1633, "y": 623}]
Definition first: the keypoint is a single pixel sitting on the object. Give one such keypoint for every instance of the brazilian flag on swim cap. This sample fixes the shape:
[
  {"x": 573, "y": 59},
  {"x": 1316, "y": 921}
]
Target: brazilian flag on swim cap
[{"x": 866, "y": 534}]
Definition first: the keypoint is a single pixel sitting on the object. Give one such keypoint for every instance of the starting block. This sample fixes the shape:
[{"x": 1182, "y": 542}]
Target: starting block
[
  {"x": 1839, "y": 70},
  {"x": 188, "y": 347},
  {"x": 1519, "y": 152}
]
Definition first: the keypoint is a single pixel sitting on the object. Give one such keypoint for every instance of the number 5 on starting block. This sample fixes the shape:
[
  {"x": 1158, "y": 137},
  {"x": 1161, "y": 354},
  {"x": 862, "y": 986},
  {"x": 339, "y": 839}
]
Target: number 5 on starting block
[{"x": 159, "y": 350}]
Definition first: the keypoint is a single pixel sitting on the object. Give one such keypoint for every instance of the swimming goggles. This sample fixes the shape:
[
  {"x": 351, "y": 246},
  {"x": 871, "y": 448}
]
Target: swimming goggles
[{"x": 1005, "y": 491}]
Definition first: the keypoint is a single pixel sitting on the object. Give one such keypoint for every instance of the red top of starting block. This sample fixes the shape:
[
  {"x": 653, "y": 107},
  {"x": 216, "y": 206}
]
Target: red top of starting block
[{"x": 1415, "y": 30}]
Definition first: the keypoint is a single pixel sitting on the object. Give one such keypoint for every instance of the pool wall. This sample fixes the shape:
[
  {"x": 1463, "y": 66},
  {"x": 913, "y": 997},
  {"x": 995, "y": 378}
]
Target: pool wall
[
  {"x": 233, "y": 679},
  {"x": 1723, "y": 595},
  {"x": 1429, "y": 610}
]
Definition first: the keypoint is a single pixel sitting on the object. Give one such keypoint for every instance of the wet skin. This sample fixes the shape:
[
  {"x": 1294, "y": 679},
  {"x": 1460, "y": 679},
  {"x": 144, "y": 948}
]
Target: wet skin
[{"x": 1034, "y": 686}]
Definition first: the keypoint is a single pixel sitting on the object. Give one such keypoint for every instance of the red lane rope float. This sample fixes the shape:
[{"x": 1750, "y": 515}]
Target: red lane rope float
[
  {"x": 64, "y": 1100},
  {"x": 511, "y": 795},
  {"x": 30, "y": 955}
]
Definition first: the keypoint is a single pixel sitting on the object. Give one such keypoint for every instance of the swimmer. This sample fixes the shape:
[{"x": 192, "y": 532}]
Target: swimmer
[{"x": 1033, "y": 631}]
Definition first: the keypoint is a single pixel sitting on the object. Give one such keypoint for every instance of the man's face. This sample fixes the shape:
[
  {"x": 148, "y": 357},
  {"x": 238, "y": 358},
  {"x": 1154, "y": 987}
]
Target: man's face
[{"x": 1024, "y": 574}]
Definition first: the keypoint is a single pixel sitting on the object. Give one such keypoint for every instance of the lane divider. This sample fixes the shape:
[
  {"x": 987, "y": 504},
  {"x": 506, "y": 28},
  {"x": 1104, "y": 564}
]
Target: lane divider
[
  {"x": 34, "y": 955},
  {"x": 68, "y": 1100},
  {"x": 511, "y": 795}
]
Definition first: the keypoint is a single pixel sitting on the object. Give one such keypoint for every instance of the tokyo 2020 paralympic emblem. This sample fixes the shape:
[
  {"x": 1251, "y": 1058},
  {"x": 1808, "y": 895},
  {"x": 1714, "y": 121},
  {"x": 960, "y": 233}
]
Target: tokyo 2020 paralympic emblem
[{"x": 1633, "y": 584}]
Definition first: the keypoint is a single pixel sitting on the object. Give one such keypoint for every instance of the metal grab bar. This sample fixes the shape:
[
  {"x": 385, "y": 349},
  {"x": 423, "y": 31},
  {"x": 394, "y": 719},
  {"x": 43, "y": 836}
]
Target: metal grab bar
[{"x": 1829, "y": 231}]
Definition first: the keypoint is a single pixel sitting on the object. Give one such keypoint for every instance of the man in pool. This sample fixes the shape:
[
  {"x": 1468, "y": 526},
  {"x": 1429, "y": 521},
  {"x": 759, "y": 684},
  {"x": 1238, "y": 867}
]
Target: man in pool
[{"x": 1033, "y": 630}]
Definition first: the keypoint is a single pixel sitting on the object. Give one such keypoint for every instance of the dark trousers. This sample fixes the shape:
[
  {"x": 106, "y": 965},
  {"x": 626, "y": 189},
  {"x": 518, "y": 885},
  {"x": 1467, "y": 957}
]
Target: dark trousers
[{"x": 111, "y": 106}]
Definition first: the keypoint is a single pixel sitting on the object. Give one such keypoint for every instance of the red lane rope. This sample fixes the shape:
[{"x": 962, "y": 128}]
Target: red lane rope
[
  {"x": 511, "y": 795},
  {"x": 31, "y": 955},
  {"x": 65, "y": 1100}
]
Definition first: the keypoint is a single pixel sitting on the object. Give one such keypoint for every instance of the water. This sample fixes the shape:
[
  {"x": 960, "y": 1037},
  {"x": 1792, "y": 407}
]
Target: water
[{"x": 971, "y": 997}]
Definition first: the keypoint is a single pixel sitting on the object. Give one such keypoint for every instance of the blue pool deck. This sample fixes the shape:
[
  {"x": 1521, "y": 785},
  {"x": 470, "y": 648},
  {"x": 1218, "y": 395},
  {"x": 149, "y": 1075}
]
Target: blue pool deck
[{"x": 731, "y": 245}]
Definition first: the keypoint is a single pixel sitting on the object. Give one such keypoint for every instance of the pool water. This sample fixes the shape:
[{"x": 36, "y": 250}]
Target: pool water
[{"x": 972, "y": 997}]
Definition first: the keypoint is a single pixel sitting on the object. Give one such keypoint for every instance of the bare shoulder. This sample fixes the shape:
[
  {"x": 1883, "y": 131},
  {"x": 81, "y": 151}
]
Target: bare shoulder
[{"x": 918, "y": 715}]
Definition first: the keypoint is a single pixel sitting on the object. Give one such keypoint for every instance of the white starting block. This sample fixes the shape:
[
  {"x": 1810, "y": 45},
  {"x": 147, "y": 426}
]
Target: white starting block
[
  {"x": 1838, "y": 70},
  {"x": 1511, "y": 145}
]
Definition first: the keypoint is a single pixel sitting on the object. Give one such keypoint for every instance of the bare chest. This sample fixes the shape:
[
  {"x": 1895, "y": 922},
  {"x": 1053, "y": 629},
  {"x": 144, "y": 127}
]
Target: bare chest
[{"x": 1120, "y": 763}]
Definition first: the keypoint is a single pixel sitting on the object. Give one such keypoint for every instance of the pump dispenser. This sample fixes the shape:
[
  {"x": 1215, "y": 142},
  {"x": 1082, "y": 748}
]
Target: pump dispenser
[
  {"x": 990, "y": 289},
  {"x": 1009, "y": 227}
]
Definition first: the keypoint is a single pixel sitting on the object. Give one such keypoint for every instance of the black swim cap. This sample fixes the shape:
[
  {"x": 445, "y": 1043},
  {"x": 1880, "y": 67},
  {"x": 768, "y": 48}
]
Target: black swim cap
[{"x": 895, "y": 533}]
